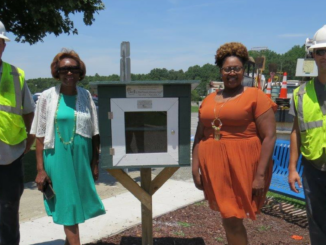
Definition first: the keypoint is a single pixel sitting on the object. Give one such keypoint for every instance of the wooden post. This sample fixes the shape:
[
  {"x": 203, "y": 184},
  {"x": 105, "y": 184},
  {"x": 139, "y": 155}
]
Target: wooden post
[
  {"x": 146, "y": 213},
  {"x": 144, "y": 194}
]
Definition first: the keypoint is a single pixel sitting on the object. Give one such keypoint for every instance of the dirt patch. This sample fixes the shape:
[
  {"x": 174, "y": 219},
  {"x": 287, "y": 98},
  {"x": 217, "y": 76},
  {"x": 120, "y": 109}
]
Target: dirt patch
[{"x": 197, "y": 224}]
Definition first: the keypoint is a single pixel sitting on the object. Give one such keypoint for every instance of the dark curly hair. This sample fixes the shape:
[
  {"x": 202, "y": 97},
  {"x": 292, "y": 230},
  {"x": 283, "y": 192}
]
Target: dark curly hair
[
  {"x": 65, "y": 53},
  {"x": 231, "y": 49}
]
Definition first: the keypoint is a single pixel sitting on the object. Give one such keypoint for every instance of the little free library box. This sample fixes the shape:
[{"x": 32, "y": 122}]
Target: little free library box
[{"x": 144, "y": 124}]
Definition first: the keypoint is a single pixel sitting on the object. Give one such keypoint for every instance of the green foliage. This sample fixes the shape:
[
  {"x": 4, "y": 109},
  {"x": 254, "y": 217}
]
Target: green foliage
[
  {"x": 179, "y": 233},
  {"x": 195, "y": 96},
  {"x": 285, "y": 62},
  {"x": 219, "y": 239},
  {"x": 206, "y": 73},
  {"x": 40, "y": 84},
  {"x": 280, "y": 198},
  {"x": 290, "y": 60},
  {"x": 185, "y": 224},
  {"x": 201, "y": 203},
  {"x": 194, "y": 109},
  {"x": 263, "y": 228},
  {"x": 32, "y": 20}
]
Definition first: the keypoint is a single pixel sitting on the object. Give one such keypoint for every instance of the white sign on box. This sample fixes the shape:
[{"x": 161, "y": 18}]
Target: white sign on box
[{"x": 144, "y": 91}]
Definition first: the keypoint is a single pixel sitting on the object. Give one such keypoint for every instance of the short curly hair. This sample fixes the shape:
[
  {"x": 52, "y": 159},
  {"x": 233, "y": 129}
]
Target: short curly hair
[
  {"x": 66, "y": 53},
  {"x": 231, "y": 49}
]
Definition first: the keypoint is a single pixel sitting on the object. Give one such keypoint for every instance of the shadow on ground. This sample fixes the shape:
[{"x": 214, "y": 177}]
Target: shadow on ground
[
  {"x": 157, "y": 241},
  {"x": 55, "y": 242},
  {"x": 290, "y": 212}
]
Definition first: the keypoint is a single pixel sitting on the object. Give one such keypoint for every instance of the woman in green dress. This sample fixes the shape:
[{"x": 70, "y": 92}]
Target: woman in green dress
[{"x": 67, "y": 147}]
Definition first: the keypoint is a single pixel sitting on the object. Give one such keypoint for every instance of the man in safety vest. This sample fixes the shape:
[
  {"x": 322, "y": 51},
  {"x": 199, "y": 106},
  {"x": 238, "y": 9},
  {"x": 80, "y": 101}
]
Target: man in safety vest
[
  {"x": 16, "y": 115},
  {"x": 309, "y": 137}
]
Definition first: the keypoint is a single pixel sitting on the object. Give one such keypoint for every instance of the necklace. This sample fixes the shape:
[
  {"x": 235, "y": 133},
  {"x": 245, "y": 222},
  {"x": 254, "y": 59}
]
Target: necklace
[
  {"x": 217, "y": 128},
  {"x": 57, "y": 126}
]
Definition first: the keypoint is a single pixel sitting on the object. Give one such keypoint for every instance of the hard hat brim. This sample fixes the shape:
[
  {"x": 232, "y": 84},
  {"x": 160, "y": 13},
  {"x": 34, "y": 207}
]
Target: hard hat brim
[
  {"x": 4, "y": 38},
  {"x": 318, "y": 45}
]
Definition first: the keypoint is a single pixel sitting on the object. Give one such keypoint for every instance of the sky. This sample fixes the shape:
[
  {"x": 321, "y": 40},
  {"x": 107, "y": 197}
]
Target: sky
[{"x": 172, "y": 34}]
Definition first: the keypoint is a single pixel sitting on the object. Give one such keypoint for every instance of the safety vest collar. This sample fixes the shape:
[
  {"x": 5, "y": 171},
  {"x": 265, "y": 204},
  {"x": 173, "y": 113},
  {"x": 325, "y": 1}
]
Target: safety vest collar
[
  {"x": 302, "y": 125},
  {"x": 18, "y": 91}
]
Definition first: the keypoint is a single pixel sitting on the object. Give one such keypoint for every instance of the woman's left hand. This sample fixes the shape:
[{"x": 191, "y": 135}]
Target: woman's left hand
[
  {"x": 94, "y": 167},
  {"x": 258, "y": 186}
]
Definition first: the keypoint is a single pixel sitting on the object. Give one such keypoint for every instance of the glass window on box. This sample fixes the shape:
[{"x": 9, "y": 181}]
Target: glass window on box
[{"x": 146, "y": 132}]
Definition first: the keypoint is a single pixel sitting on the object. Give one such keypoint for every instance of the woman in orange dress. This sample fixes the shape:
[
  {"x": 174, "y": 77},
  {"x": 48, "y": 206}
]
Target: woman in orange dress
[{"x": 232, "y": 152}]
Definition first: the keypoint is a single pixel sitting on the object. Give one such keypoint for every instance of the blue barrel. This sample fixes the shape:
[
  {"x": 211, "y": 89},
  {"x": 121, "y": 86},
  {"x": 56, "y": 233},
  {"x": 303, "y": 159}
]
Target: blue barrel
[{"x": 275, "y": 92}]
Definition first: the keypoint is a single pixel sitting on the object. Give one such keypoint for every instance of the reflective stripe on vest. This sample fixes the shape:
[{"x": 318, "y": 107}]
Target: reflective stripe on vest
[
  {"x": 12, "y": 130},
  {"x": 302, "y": 125},
  {"x": 18, "y": 94},
  {"x": 311, "y": 122}
]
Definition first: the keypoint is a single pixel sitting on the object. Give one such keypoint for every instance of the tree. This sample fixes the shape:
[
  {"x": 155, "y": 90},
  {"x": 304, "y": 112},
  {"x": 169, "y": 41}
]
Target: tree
[
  {"x": 206, "y": 73},
  {"x": 290, "y": 60},
  {"x": 32, "y": 20},
  {"x": 159, "y": 74},
  {"x": 284, "y": 62},
  {"x": 195, "y": 96}
]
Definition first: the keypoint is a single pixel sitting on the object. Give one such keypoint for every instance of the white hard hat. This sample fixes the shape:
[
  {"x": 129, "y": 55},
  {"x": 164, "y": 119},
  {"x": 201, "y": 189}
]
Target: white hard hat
[
  {"x": 319, "y": 40},
  {"x": 3, "y": 33}
]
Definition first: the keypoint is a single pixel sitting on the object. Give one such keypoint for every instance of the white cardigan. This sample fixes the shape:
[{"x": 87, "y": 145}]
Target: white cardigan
[{"x": 43, "y": 123}]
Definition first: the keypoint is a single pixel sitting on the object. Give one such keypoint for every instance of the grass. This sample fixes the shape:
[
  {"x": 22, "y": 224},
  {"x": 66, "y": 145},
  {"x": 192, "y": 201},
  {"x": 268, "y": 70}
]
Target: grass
[
  {"x": 295, "y": 202},
  {"x": 202, "y": 203},
  {"x": 185, "y": 224},
  {"x": 194, "y": 108},
  {"x": 263, "y": 228},
  {"x": 179, "y": 233},
  {"x": 219, "y": 239}
]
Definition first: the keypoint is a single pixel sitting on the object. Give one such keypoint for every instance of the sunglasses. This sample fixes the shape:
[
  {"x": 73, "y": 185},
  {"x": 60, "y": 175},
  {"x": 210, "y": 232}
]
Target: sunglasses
[
  {"x": 320, "y": 52},
  {"x": 72, "y": 69},
  {"x": 236, "y": 69}
]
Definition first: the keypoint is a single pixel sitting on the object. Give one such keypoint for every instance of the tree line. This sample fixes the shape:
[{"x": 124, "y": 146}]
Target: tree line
[{"x": 284, "y": 63}]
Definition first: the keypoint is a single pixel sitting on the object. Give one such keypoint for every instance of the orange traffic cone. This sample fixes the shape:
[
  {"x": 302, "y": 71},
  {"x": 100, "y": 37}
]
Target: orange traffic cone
[
  {"x": 269, "y": 88},
  {"x": 284, "y": 90}
]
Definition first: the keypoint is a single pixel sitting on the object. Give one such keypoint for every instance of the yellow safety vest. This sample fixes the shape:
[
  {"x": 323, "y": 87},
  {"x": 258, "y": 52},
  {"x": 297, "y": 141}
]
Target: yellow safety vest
[
  {"x": 311, "y": 121},
  {"x": 12, "y": 126}
]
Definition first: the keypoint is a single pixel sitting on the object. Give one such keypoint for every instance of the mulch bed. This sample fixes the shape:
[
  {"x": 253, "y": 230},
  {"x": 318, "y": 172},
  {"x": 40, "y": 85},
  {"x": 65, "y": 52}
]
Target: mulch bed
[{"x": 197, "y": 224}]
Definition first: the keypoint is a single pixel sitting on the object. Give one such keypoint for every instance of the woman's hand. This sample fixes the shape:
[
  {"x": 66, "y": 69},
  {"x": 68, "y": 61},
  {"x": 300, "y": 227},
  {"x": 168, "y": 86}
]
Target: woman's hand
[
  {"x": 94, "y": 167},
  {"x": 195, "y": 159},
  {"x": 197, "y": 180},
  {"x": 41, "y": 179},
  {"x": 258, "y": 186}
]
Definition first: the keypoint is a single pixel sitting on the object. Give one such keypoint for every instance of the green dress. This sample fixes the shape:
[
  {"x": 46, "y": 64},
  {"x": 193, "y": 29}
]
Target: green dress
[{"x": 68, "y": 166}]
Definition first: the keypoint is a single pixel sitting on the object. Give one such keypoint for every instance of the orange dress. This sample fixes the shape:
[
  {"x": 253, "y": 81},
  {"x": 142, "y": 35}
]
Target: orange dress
[{"x": 228, "y": 165}]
